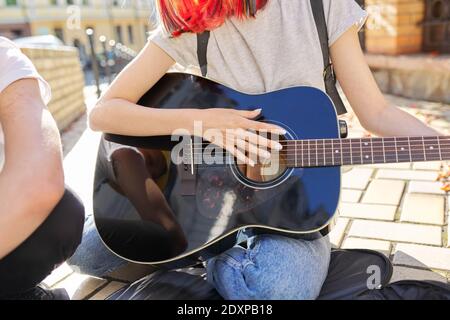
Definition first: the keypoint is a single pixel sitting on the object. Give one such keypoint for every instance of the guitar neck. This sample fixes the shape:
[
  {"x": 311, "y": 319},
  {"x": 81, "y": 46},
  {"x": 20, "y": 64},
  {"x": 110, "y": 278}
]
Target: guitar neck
[{"x": 345, "y": 152}]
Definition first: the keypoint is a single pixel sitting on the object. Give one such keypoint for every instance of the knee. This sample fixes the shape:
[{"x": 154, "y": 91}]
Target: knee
[
  {"x": 64, "y": 226},
  {"x": 124, "y": 159},
  {"x": 126, "y": 155},
  {"x": 53, "y": 242},
  {"x": 276, "y": 267}
]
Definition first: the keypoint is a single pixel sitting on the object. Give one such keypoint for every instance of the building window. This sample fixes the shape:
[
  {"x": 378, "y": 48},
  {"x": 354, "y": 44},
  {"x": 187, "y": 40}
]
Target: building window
[
  {"x": 70, "y": 2},
  {"x": 119, "y": 34},
  {"x": 85, "y": 2},
  {"x": 59, "y": 33},
  {"x": 11, "y": 3},
  {"x": 116, "y": 3},
  {"x": 130, "y": 34},
  {"x": 17, "y": 33},
  {"x": 437, "y": 26}
]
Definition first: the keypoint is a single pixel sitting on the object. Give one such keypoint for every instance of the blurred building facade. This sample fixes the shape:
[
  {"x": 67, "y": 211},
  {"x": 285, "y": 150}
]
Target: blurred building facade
[
  {"x": 397, "y": 27},
  {"x": 407, "y": 46},
  {"x": 394, "y": 26},
  {"x": 407, "y": 42},
  {"x": 124, "y": 21}
]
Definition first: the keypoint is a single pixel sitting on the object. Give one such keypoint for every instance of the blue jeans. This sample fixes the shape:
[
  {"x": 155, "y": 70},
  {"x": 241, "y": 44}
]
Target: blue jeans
[{"x": 272, "y": 268}]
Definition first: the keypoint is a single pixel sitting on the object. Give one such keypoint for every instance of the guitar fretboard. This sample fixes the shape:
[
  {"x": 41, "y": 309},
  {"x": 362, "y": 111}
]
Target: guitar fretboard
[{"x": 342, "y": 152}]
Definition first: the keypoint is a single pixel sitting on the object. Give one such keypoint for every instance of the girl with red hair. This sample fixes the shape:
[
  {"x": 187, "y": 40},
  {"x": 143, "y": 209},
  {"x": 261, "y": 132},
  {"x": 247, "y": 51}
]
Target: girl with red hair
[{"x": 255, "y": 46}]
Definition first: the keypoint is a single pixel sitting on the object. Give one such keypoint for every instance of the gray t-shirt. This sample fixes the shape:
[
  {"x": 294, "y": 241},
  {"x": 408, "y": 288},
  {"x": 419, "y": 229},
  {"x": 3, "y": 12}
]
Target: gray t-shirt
[{"x": 278, "y": 49}]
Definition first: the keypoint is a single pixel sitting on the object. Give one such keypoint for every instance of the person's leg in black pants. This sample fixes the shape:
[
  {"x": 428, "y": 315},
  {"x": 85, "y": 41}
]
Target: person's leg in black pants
[{"x": 48, "y": 247}]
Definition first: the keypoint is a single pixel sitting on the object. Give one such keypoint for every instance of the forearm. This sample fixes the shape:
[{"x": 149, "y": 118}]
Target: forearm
[
  {"x": 119, "y": 116},
  {"x": 393, "y": 122}
]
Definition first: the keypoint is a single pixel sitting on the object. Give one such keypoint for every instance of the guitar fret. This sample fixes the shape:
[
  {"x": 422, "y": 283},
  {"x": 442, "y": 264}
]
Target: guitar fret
[
  {"x": 346, "y": 152},
  {"x": 360, "y": 145},
  {"x": 396, "y": 150},
  {"x": 384, "y": 150},
  {"x": 432, "y": 150},
  {"x": 356, "y": 158},
  {"x": 329, "y": 144},
  {"x": 295, "y": 147},
  {"x": 303, "y": 164},
  {"x": 417, "y": 150},
  {"x": 424, "y": 149},
  {"x": 366, "y": 149},
  {"x": 313, "y": 153},
  {"x": 332, "y": 152},
  {"x": 445, "y": 148},
  {"x": 371, "y": 147},
  {"x": 378, "y": 150},
  {"x": 317, "y": 156},
  {"x": 338, "y": 152},
  {"x": 320, "y": 153},
  {"x": 351, "y": 154},
  {"x": 440, "y": 150},
  {"x": 309, "y": 154},
  {"x": 409, "y": 146},
  {"x": 390, "y": 151},
  {"x": 324, "y": 153},
  {"x": 403, "y": 149}
]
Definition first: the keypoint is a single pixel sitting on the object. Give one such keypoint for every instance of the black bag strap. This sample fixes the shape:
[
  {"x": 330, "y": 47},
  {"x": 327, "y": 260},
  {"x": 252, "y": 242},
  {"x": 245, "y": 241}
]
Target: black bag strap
[
  {"x": 202, "y": 48},
  {"x": 328, "y": 72}
]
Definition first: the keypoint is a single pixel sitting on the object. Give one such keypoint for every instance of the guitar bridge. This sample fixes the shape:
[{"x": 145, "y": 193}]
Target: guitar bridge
[{"x": 188, "y": 173}]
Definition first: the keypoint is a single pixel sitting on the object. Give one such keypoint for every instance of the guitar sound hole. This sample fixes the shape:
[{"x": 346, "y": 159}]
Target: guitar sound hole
[{"x": 266, "y": 170}]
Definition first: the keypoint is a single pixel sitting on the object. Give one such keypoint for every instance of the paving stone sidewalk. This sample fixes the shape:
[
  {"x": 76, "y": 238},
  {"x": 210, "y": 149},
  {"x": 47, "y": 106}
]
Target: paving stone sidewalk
[{"x": 397, "y": 209}]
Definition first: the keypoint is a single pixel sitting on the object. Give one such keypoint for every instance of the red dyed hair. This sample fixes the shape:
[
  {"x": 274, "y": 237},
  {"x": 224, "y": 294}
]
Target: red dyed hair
[{"x": 179, "y": 16}]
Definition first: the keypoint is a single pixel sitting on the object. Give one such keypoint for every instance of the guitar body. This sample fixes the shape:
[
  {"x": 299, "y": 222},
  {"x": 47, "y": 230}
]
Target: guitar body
[{"x": 214, "y": 207}]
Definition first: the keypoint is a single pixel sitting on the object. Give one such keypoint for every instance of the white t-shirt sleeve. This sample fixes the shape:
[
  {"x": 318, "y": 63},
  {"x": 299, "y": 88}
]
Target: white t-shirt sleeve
[
  {"x": 341, "y": 15},
  {"x": 177, "y": 48},
  {"x": 14, "y": 65}
]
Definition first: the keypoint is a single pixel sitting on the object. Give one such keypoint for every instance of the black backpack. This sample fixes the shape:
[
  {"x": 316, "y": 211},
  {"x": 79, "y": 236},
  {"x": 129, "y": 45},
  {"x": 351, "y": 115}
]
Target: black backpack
[{"x": 348, "y": 279}]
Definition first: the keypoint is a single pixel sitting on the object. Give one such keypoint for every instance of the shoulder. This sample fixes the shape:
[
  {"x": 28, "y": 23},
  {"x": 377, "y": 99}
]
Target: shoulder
[
  {"x": 14, "y": 65},
  {"x": 6, "y": 44},
  {"x": 8, "y": 51},
  {"x": 181, "y": 49},
  {"x": 11, "y": 57}
]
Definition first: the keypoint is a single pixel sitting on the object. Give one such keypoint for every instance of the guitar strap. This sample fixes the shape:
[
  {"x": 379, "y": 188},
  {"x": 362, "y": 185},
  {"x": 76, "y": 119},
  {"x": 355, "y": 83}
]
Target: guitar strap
[
  {"x": 328, "y": 72},
  {"x": 202, "y": 48}
]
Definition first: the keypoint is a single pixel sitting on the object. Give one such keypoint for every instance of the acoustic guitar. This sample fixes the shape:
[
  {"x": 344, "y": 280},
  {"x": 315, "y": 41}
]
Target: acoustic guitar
[{"x": 216, "y": 206}]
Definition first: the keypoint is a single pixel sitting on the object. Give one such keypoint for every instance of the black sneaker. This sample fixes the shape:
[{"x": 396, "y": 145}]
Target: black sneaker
[{"x": 39, "y": 293}]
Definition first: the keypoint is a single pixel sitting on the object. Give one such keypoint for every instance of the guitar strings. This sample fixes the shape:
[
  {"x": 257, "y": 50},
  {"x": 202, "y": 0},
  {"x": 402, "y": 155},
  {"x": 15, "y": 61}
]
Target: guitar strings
[
  {"x": 387, "y": 140},
  {"x": 368, "y": 157},
  {"x": 354, "y": 145},
  {"x": 346, "y": 150}
]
